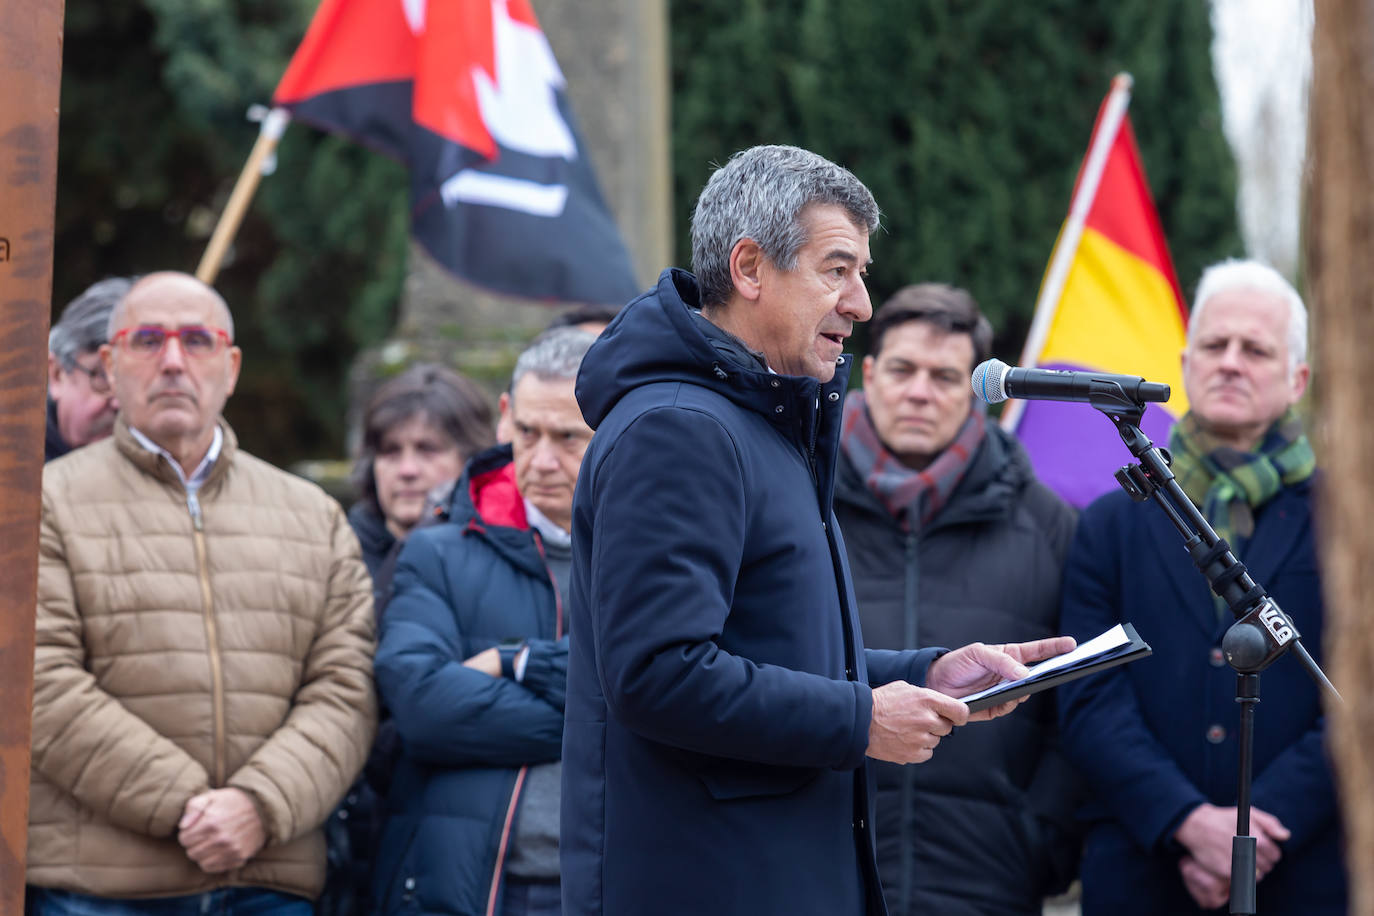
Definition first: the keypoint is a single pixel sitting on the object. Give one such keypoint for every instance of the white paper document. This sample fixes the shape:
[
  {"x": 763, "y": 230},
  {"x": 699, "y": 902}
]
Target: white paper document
[{"x": 1115, "y": 646}]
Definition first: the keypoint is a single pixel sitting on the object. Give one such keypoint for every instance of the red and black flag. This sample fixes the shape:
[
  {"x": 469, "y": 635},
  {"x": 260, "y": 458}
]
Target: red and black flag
[{"x": 468, "y": 95}]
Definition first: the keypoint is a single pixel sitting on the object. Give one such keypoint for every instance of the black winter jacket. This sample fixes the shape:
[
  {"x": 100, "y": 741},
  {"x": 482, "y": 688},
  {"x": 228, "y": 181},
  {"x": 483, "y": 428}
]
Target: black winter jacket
[
  {"x": 986, "y": 826},
  {"x": 354, "y": 828}
]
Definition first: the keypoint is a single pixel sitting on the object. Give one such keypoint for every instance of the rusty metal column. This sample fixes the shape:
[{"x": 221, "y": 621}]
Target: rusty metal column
[{"x": 30, "y": 78}]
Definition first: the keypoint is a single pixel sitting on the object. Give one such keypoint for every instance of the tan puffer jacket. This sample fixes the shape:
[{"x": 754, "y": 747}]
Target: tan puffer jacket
[{"x": 174, "y": 656}]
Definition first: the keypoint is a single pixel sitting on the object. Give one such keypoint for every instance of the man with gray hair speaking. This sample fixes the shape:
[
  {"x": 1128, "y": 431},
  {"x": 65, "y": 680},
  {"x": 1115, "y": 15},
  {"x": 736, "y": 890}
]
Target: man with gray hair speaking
[
  {"x": 720, "y": 702},
  {"x": 472, "y": 664},
  {"x": 81, "y": 403}
]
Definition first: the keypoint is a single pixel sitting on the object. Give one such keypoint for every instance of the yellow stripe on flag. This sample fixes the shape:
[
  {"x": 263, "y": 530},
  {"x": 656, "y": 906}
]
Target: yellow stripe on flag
[{"x": 1118, "y": 314}]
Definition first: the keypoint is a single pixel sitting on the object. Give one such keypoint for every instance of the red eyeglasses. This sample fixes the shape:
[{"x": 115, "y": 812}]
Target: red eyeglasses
[{"x": 147, "y": 340}]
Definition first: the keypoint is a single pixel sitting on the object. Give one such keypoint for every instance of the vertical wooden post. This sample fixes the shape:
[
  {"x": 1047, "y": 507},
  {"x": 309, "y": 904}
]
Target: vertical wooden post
[
  {"x": 30, "y": 78},
  {"x": 1340, "y": 239}
]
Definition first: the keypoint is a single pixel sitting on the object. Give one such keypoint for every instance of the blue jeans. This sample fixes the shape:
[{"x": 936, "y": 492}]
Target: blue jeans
[{"x": 228, "y": 901}]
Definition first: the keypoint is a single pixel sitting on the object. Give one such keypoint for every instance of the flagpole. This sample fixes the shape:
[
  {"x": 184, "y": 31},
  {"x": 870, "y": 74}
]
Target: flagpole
[
  {"x": 1113, "y": 113},
  {"x": 273, "y": 126}
]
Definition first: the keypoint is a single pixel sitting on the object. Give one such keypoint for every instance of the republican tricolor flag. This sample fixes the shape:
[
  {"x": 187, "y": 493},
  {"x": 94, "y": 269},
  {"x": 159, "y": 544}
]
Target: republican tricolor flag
[
  {"x": 1110, "y": 302},
  {"x": 468, "y": 95}
]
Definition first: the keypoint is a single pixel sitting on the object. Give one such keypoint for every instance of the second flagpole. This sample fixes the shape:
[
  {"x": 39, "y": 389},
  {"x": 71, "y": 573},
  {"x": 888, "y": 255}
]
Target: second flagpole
[{"x": 273, "y": 126}]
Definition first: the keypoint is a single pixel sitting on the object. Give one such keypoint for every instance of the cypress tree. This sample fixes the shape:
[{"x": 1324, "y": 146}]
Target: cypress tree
[
  {"x": 967, "y": 120},
  {"x": 152, "y": 136}
]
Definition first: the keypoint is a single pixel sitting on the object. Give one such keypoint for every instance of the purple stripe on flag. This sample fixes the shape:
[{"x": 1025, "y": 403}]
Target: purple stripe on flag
[{"x": 1075, "y": 449}]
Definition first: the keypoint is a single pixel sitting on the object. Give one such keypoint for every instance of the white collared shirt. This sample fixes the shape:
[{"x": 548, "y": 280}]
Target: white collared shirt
[
  {"x": 546, "y": 527},
  {"x": 197, "y": 478}
]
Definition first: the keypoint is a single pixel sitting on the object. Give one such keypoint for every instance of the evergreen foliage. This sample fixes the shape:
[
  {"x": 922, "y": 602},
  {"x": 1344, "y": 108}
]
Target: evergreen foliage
[
  {"x": 152, "y": 138},
  {"x": 968, "y": 120}
]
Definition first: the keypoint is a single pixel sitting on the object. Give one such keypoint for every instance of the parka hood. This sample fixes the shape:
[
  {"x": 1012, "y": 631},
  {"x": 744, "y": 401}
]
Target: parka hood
[{"x": 657, "y": 338}]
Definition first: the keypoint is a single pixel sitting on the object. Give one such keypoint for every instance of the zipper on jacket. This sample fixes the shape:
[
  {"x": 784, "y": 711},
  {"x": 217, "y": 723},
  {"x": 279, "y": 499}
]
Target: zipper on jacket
[
  {"x": 504, "y": 846},
  {"x": 553, "y": 581},
  {"x": 815, "y": 434},
  {"x": 910, "y": 594},
  {"x": 211, "y": 637},
  {"x": 811, "y": 457}
]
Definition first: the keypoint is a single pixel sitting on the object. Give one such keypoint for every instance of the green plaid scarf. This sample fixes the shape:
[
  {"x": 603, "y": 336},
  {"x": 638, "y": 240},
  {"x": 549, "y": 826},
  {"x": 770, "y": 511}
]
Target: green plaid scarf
[{"x": 1229, "y": 485}]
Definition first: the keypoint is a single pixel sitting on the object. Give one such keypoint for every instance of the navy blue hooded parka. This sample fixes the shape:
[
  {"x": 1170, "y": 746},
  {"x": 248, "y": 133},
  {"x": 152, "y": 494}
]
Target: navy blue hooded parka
[
  {"x": 718, "y": 694},
  {"x": 463, "y": 586}
]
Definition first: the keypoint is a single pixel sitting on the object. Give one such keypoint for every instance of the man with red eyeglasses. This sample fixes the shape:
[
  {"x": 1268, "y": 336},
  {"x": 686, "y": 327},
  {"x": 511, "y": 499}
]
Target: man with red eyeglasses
[
  {"x": 81, "y": 405},
  {"x": 203, "y": 669}
]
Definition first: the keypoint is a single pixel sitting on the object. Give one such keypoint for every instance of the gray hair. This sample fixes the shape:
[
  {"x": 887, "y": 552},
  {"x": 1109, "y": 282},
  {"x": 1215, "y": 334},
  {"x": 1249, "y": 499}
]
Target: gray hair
[
  {"x": 1235, "y": 273},
  {"x": 554, "y": 355},
  {"x": 760, "y": 194},
  {"x": 84, "y": 325}
]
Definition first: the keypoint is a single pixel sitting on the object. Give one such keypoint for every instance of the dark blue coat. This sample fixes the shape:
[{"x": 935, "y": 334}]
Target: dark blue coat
[
  {"x": 462, "y": 587},
  {"x": 1157, "y": 737},
  {"x": 718, "y": 694}
]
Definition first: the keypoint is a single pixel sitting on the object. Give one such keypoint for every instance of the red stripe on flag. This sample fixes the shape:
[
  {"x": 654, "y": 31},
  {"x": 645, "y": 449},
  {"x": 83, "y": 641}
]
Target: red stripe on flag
[
  {"x": 1124, "y": 211},
  {"x": 521, "y": 11},
  {"x": 354, "y": 43},
  {"x": 349, "y": 43},
  {"x": 459, "y": 40}
]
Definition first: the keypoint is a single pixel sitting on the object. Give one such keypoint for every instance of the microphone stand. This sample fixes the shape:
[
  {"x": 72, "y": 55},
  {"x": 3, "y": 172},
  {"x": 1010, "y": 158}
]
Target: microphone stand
[{"x": 1262, "y": 631}]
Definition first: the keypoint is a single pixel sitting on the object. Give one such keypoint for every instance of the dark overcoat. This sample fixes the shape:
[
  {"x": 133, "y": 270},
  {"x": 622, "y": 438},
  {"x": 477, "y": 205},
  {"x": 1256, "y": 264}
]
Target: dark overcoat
[
  {"x": 1157, "y": 737},
  {"x": 718, "y": 694}
]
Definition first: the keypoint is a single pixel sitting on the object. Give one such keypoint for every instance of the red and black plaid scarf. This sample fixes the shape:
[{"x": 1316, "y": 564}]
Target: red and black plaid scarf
[{"x": 905, "y": 493}]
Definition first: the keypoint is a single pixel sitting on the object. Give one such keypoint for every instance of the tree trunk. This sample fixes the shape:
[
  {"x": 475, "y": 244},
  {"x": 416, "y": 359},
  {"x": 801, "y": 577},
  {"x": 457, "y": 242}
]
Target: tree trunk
[
  {"x": 1341, "y": 284},
  {"x": 30, "y": 74}
]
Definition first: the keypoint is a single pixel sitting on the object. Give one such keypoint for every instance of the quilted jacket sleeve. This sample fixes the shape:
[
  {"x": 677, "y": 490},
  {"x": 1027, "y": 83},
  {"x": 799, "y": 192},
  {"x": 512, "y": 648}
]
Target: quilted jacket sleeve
[
  {"x": 448, "y": 714},
  {"x": 84, "y": 740},
  {"x": 299, "y": 773}
]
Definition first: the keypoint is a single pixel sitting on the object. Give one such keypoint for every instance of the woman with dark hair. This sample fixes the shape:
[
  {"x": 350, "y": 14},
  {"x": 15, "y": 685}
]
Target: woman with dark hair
[{"x": 418, "y": 430}]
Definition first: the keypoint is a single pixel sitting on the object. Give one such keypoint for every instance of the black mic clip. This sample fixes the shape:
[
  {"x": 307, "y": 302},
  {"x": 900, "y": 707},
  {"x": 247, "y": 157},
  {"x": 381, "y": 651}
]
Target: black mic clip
[
  {"x": 1254, "y": 641},
  {"x": 1262, "y": 631},
  {"x": 1110, "y": 398}
]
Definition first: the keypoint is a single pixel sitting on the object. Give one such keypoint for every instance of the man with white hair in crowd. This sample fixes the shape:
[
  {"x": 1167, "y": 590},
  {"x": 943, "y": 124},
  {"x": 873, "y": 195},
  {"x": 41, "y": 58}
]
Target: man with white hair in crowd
[{"x": 1157, "y": 740}]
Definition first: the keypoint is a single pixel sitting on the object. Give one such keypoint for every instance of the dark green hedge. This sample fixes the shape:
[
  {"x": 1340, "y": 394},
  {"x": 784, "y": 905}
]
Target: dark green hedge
[
  {"x": 968, "y": 120},
  {"x": 966, "y": 117},
  {"x": 152, "y": 136}
]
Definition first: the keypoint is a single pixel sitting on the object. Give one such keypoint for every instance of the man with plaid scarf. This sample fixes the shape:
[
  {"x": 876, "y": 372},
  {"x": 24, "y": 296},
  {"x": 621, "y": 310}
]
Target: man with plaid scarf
[
  {"x": 951, "y": 538},
  {"x": 1157, "y": 741}
]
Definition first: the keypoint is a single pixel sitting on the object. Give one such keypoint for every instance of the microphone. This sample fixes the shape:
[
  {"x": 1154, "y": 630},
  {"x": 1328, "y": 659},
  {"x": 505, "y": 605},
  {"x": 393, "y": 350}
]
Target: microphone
[{"x": 994, "y": 381}]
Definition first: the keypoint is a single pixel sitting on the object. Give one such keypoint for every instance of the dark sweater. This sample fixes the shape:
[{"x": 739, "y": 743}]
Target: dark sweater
[
  {"x": 54, "y": 446},
  {"x": 534, "y": 849}
]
